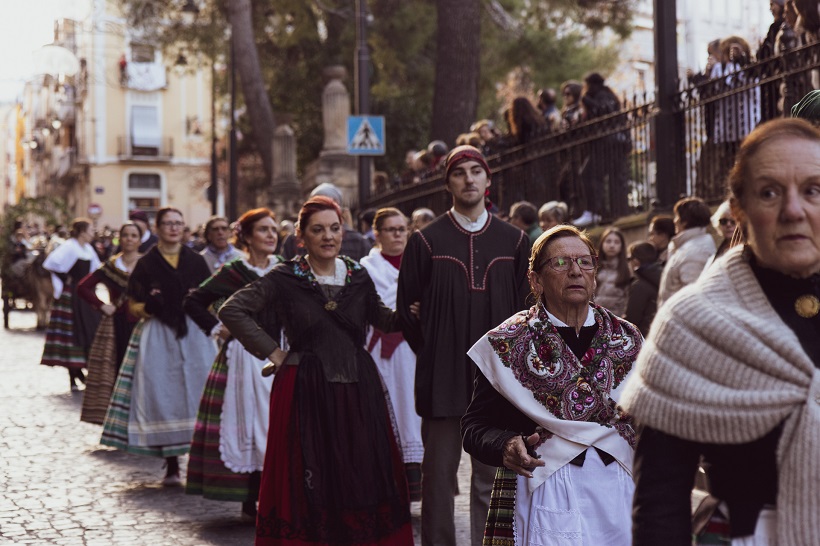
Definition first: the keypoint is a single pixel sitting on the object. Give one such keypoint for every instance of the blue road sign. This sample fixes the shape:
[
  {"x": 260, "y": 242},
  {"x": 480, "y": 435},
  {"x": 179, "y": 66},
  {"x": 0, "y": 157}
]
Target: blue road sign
[{"x": 365, "y": 135}]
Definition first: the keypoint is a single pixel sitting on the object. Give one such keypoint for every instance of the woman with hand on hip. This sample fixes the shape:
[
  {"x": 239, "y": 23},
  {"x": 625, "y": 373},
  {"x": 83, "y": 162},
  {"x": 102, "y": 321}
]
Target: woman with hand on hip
[
  {"x": 231, "y": 431},
  {"x": 114, "y": 331},
  {"x": 333, "y": 471}
]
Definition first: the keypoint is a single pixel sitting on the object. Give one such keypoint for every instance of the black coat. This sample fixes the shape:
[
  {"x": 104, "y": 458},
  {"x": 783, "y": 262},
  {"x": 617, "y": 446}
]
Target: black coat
[
  {"x": 162, "y": 288},
  {"x": 643, "y": 296},
  {"x": 742, "y": 475},
  {"x": 332, "y": 330},
  {"x": 467, "y": 283}
]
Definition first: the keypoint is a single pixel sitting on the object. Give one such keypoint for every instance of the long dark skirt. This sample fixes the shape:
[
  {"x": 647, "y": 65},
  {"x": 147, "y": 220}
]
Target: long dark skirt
[
  {"x": 62, "y": 347},
  {"x": 333, "y": 470}
]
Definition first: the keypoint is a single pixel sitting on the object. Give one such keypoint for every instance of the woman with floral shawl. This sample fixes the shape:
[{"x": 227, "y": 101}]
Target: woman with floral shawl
[{"x": 545, "y": 408}]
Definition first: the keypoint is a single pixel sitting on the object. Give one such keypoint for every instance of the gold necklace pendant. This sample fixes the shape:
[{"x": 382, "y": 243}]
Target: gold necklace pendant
[
  {"x": 807, "y": 306},
  {"x": 332, "y": 305}
]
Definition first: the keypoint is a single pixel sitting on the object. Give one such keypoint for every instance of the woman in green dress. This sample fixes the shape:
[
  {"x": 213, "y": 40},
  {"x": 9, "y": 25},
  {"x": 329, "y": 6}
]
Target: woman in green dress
[{"x": 225, "y": 461}]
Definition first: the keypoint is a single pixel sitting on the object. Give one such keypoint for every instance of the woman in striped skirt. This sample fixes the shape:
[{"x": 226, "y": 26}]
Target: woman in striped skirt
[
  {"x": 72, "y": 322},
  {"x": 225, "y": 461},
  {"x": 108, "y": 348},
  {"x": 153, "y": 407}
]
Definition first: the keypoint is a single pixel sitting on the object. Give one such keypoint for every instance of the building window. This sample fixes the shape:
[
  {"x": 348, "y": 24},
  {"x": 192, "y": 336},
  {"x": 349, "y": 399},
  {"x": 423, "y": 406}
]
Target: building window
[
  {"x": 145, "y": 193},
  {"x": 142, "y": 53},
  {"x": 146, "y": 136},
  {"x": 142, "y": 181}
]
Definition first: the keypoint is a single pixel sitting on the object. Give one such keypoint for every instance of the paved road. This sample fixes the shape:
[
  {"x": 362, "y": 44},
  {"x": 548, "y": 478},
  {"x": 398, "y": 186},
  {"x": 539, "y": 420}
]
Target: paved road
[{"x": 59, "y": 486}]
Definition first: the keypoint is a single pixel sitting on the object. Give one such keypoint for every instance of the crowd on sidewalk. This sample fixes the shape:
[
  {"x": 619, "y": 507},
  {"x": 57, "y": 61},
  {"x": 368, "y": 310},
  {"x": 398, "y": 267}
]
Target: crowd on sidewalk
[{"x": 326, "y": 378}]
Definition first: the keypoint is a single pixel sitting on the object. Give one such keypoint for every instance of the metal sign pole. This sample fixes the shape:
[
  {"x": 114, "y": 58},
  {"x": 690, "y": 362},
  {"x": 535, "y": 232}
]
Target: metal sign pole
[{"x": 362, "y": 94}]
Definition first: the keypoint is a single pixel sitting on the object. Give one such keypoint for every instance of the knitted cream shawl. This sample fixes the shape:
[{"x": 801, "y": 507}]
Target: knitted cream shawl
[{"x": 721, "y": 367}]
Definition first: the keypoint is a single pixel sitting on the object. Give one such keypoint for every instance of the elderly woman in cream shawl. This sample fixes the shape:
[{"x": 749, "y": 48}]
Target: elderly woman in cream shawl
[{"x": 730, "y": 370}]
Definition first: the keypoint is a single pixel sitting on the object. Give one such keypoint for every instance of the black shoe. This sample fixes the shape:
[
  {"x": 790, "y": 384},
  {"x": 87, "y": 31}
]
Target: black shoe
[
  {"x": 249, "y": 511},
  {"x": 72, "y": 380}
]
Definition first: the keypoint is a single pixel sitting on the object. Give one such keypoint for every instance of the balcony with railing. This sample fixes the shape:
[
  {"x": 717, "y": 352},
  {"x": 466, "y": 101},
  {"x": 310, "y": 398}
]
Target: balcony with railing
[{"x": 156, "y": 150}]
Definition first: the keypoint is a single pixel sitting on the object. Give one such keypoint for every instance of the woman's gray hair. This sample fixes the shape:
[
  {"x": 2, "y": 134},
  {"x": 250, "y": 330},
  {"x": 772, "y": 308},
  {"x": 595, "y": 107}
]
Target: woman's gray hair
[{"x": 556, "y": 209}]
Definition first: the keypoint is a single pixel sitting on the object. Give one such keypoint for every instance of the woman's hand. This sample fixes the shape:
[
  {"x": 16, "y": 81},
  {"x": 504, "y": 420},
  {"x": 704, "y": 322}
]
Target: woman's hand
[
  {"x": 107, "y": 309},
  {"x": 515, "y": 455},
  {"x": 223, "y": 333},
  {"x": 415, "y": 309},
  {"x": 277, "y": 359}
]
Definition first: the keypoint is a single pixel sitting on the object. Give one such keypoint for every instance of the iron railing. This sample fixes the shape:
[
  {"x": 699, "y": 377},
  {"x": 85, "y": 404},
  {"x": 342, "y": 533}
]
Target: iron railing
[
  {"x": 126, "y": 150},
  {"x": 608, "y": 164}
]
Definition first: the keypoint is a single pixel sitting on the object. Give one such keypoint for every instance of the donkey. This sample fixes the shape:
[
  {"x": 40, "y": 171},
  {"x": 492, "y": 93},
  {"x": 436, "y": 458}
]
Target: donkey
[{"x": 29, "y": 281}]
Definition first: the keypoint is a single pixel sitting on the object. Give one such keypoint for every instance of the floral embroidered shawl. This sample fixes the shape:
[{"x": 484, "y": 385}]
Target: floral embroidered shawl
[{"x": 575, "y": 401}]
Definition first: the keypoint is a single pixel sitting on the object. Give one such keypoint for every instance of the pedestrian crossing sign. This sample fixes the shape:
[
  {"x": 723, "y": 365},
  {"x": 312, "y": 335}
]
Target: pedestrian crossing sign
[{"x": 365, "y": 135}]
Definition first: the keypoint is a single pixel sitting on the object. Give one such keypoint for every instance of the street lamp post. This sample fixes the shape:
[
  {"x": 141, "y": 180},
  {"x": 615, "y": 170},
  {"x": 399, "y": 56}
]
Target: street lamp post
[
  {"x": 670, "y": 142},
  {"x": 362, "y": 94},
  {"x": 189, "y": 12},
  {"x": 234, "y": 176},
  {"x": 213, "y": 189}
]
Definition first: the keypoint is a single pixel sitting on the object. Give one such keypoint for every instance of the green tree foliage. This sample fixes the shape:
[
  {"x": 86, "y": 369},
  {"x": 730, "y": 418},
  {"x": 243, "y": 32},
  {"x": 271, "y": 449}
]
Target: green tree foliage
[
  {"x": 549, "y": 40},
  {"x": 403, "y": 51}
]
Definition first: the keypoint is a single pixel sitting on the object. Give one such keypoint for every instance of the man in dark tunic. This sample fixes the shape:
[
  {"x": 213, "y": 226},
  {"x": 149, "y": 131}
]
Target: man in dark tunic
[{"x": 468, "y": 271}]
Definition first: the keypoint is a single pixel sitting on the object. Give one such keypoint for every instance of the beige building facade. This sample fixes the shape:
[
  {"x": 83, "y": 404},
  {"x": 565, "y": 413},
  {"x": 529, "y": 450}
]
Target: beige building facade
[
  {"x": 129, "y": 130},
  {"x": 141, "y": 126}
]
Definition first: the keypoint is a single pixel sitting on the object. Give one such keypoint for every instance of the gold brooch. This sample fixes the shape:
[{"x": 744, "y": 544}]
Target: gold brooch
[
  {"x": 332, "y": 305},
  {"x": 807, "y": 306}
]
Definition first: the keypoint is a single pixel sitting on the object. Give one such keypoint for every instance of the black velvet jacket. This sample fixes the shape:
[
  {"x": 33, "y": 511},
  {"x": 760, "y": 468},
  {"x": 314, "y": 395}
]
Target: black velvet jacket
[
  {"x": 332, "y": 329},
  {"x": 162, "y": 288}
]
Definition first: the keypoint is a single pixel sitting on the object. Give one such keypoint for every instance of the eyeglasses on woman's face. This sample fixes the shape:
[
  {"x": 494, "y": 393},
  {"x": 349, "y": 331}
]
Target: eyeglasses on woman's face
[
  {"x": 727, "y": 222},
  {"x": 564, "y": 263},
  {"x": 397, "y": 230}
]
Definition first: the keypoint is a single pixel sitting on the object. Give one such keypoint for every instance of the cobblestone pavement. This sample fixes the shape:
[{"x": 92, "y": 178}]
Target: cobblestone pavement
[{"x": 59, "y": 486}]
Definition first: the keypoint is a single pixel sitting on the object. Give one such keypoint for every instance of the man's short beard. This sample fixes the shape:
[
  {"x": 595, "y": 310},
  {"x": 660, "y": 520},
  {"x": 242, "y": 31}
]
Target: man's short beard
[{"x": 468, "y": 204}]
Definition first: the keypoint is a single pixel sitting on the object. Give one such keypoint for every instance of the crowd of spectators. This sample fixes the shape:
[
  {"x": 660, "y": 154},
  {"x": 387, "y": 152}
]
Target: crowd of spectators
[
  {"x": 525, "y": 119},
  {"x": 593, "y": 178}
]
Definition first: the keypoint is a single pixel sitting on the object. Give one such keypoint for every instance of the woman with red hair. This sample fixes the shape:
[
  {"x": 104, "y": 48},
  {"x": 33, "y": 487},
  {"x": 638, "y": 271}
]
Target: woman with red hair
[
  {"x": 333, "y": 471},
  {"x": 228, "y": 447}
]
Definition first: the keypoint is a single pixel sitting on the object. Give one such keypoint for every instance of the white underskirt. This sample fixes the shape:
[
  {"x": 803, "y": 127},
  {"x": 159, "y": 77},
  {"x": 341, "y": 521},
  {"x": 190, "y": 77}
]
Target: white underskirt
[
  {"x": 586, "y": 505},
  {"x": 765, "y": 531}
]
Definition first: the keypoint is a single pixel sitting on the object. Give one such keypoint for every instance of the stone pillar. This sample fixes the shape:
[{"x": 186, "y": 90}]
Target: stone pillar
[
  {"x": 284, "y": 156},
  {"x": 334, "y": 165},
  {"x": 335, "y": 109},
  {"x": 285, "y": 198}
]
